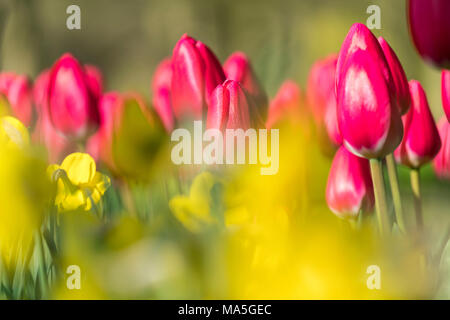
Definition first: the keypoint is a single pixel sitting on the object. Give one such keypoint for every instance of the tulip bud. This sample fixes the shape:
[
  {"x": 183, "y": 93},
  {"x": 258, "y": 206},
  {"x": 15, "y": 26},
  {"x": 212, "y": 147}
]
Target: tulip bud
[
  {"x": 369, "y": 122},
  {"x": 99, "y": 145},
  {"x": 446, "y": 92},
  {"x": 421, "y": 140},
  {"x": 401, "y": 88},
  {"x": 429, "y": 26},
  {"x": 321, "y": 97},
  {"x": 196, "y": 73},
  {"x": 229, "y": 107},
  {"x": 161, "y": 93},
  {"x": 441, "y": 162},
  {"x": 72, "y": 103},
  {"x": 286, "y": 105},
  {"x": 17, "y": 89},
  {"x": 238, "y": 68},
  {"x": 57, "y": 145},
  {"x": 349, "y": 188},
  {"x": 360, "y": 37},
  {"x": 94, "y": 81}
]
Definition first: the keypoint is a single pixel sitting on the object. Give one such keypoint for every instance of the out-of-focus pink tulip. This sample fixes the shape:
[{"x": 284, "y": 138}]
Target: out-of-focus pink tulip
[
  {"x": 446, "y": 92},
  {"x": 99, "y": 145},
  {"x": 401, "y": 88},
  {"x": 57, "y": 145},
  {"x": 238, "y": 68},
  {"x": 421, "y": 140},
  {"x": 196, "y": 73},
  {"x": 286, "y": 106},
  {"x": 72, "y": 99},
  {"x": 358, "y": 38},
  {"x": 321, "y": 97},
  {"x": 95, "y": 80},
  {"x": 18, "y": 90},
  {"x": 161, "y": 93},
  {"x": 429, "y": 25},
  {"x": 441, "y": 162},
  {"x": 369, "y": 120},
  {"x": 229, "y": 107},
  {"x": 349, "y": 188}
]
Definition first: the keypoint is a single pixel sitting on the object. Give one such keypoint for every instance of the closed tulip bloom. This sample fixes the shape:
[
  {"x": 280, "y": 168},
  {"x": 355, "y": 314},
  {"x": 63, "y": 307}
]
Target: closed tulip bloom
[
  {"x": 229, "y": 107},
  {"x": 162, "y": 103},
  {"x": 99, "y": 145},
  {"x": 72, "y": 101},
  {"x": 196, "y": 73},
  {"x": 401, "y": 87},
  {"x": 57, "y": 145},
  {"x": 421, "y": 140},
  {"x": 358, "y": 38},
  {"x": 441, "y": 162},
  {"x": 369, "y": 121},
  {"x": 429, "y": 26},
  {"x": 18, "y": 90},
  {"x": 349, "y": 188},
  {"x": 238, "y": 68},
  {"x": 286, "y": 106},
  {"x": 446, "y": 92},
  {"x": 321, "y": 97},
  {"x": 95, "y": 80}
]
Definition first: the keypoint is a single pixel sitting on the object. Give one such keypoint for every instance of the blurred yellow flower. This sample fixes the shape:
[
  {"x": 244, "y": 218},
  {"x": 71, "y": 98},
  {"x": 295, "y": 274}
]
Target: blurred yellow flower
[
  {"x": 79, "y": 185},
  {"x": 13, "y": 133}
]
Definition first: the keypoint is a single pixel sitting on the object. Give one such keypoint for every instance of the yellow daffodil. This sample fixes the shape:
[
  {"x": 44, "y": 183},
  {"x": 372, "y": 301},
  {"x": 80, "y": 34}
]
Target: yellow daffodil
[{"x": 79, "y": 185}]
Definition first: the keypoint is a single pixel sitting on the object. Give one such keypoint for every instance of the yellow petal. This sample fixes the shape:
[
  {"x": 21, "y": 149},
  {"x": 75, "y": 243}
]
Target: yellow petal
[
  {"x": 13, "y": 132},
  {"x": 80, "y": 168}
]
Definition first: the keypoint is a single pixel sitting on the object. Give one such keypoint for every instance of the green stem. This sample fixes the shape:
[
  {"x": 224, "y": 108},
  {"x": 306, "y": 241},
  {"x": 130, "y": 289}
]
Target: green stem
[
  {"x": 380, "y": 196},
  {"x": 42, "y": 274},
  {"x": 395, "y": 190},
  {"x": 415, "y": 186}
]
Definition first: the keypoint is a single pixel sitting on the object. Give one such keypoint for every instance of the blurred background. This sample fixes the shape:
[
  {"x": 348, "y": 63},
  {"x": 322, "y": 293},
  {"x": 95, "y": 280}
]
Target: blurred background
[{"x": 127, "y": 39}]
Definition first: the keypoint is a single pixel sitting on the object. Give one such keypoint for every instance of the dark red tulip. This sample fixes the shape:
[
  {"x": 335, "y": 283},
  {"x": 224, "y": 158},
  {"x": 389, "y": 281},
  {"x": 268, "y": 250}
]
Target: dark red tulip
[{"x": 429, "y": 25}]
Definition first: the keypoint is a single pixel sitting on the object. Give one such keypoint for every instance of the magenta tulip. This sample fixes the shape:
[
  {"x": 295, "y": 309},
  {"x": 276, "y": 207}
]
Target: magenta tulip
[
  {"x": 369, "y": 121},
  {"x": 72, "y": 101},
  {"x": 95, "y": 80},
  {"x": 196, "y": 73},
  {"x": 446, "y": 92},
  {"x": 401, "y": 87},
  {"x": 58, "y": 146},
  {"x": 349, "y": 188},
  {"x": 321, "y": 97},
  {"x": 161, "y": 94},
  {"x": 18, "y": 90},
  {"x": 429, "y": 25},
  {"x": 421, "y": 140},
  {"x": 441, "y": 162},
  {"x": 238, "y": 68},
  {"x": 229, "y": 107},
  {"x": 286, "y": 106}
]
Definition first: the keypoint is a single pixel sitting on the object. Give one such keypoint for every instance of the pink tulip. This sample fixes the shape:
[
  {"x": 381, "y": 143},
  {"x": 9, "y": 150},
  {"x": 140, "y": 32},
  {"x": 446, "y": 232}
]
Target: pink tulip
[
  {"x": 429, "y": 26},
  {"x": 446, "y": 92},
  {"x": 72, "y": 101},
  {"x": 286, "y": 105},
  {"x": 161, "y": 94},
  {"x": 321, "y": 97},
  {"x": 229, "y": 107},
  {"x": 94, "y": 80},
  {"x": 99, "y": 145},
  {"x": 196, "y": 73},
  {"x": 401, "y": 88},
  {"x": 358, "y": 38},
  {"x": 238, "y": 68},
  {"x": 18, "y": 91},
  {"x": 349, "y": 188},
  {"x": 441, "y": 162},
  {"x": 369, "y": 121},
  {"x": 421, "y": 140},
  {"x": 57, "y": 145}
]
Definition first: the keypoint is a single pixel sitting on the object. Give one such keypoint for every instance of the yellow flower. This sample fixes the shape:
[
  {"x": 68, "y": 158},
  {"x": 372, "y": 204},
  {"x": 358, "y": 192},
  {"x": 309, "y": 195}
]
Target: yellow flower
[
  {"x": 13, "y": 133},
  {"x": 79, "y": 185}
]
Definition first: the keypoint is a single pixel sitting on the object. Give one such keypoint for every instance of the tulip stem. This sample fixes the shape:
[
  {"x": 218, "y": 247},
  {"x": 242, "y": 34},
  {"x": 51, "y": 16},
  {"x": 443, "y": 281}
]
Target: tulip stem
[
  {"x": 380, "y": 196},
  {"x": 395, "y": 190},
  {"x": 415, "y": 186}
]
